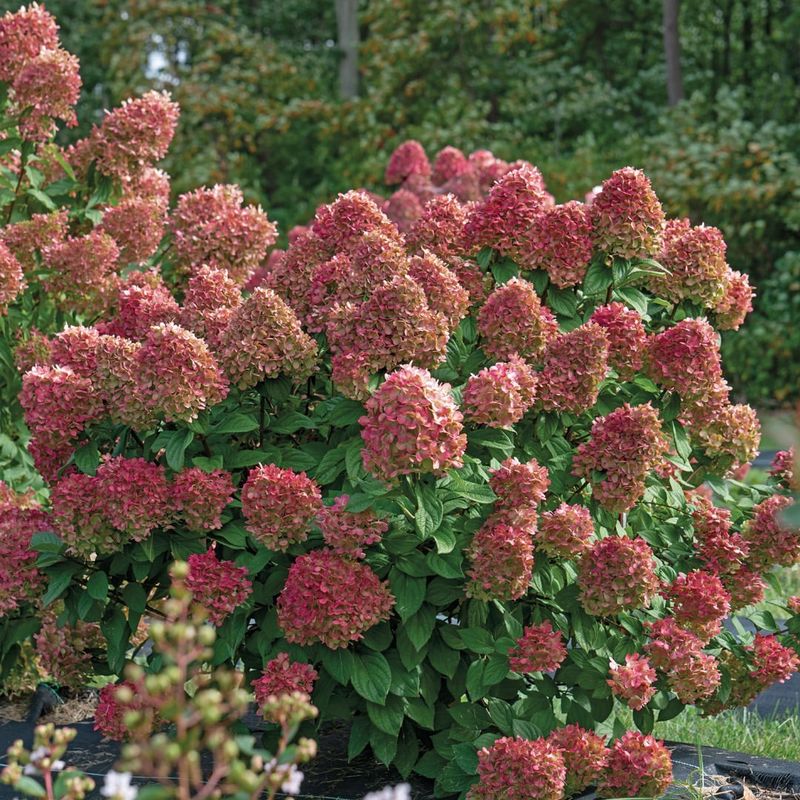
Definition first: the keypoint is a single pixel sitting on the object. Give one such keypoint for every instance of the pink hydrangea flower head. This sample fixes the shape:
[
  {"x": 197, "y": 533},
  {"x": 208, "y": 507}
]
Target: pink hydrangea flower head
[
  {"x": 208, "y": 304},
  {"x": 736, "y": 302},
  {"x": 708, "y": 520},
  {"x": 412, "y": 426},
  {"x": 23, "y": 35},
  {"x": 745, "y": 586},
  {"x": 263, "y": 340},
  {"x": 290, "y": 276},
  {"x": 723, "y": 553},
  {"x": 46, "y": 89},
  {"x": 695, "y": 258},
  {"x": 420, "y": 186},
  {"x": 565, "y": 532},
  {"x": 625, "y": 446},
  {"x": 404, "y": 209},
  {"x": 346, "y": 532},
  {"x": 27, "y": 237},
  {"x": 478, "y": 284},
  {"x": 466, "y": 186},
  {"x": 518, "y": 485},
  {"x": 513, "y": 321},
  {"x": 439, "y": 226},
  {"x": 695, "y": 678},
  {"x": 575, "y": 364},
  {"x": 772, "y": 662},
  {"x": 177, "y": 375},
  {"x": 12, "y": 281},
  {"x": 82, "y": 274},
  {"x": 331, "y": 599},
  {"x": 219, "y": 586},
  {"x": 50, "y": 454},
  {"x": 443, "y": 291},
  {"x": 559, "y": 241},
  {"x": 115, "y": 381},
  {"x": 772, "y": 540},
  {"x": 732, "y": 437},
  {"x": 519, "y": 769},
  {"x": 627, "y": 218},
  {"x": 633, "y": 682},
  {"x": 143, "y": 300},
  {"x": 499, "y": 396},
  {"x": 214, "y": 227},
  {"x": 200, "y": 497},
  {"x": 793, "y": 604},
  {"x": 627, "y": 338},
  {"x": 699, "y": 603},
  {"x": 617, "y": 574},
  {"x": 136, "y": 224},
  {"x": 63, "y": 652},
  {"x": 282, "y": 676},
  {"x": 151, "y": 184},
  {"x": 279, "y": 505},
  {"x": 58, "y": 401},
  {"x": 501, "y": 559},
  {"x": 135, "y": 135},
  {"x": 501, "y": 220},
  {"x": 109, "y": 716},
  {"x": 349, "y": 216},
  {"x": 408, "y": 158},
  {"x": 670, "y": 645},
  {"x": 638, "y": 766},
  {"x": 539, "y": 649},
  {"x": 449, "y": 163},
  {"x": 685, "y": 358},
  {"x": 77, "y": 514},
  {"x": 32, "y": 348},
  {"x": 585, "y": 755},
  {"x": 783, "y": 469},
  {"x": 489, "y": 167}
]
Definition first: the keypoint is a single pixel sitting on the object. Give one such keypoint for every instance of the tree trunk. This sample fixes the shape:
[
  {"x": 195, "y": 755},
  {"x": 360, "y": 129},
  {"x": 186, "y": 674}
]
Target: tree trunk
[
  {"x": 347, "y": 31},
  {"x": 672, "y": 51}
]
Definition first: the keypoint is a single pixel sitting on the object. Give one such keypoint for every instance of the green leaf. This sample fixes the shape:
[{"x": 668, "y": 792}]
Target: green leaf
[
  {"x": 60, "y": 578},
  {"x": 291, "y": 422},
  {"x": 27, "y": 785},
  {"x": 332, "y": 465},
  {"x": 359, "y": 737},
  {"x": 476, "y": 688},
  {"x": 478, "y": 640},
  {"x": 371, "y": 676},
  {"x": 7, "y": 145},
  {"x": 484, "y": 257},
  {"x": 383, "y": 745},
  {"x": 41, "y": 197},
  {"x": 429, "y": 512},
  {"x": 671, "y": 710},
  {"x": 97, "y": 586},
  {"x": 115, "y": 630},
  {"x": 503, "y": 271},
  {"x": 46, "y": 542},
  {"x": 597, "y": 279},
  {"x": 420, "y": 627},
  {"x": 135, "y": 597},
  {"x": 387, "y": 716},
  {"x": 176, "y": 448},
  {"x": 249, "y": 458},
  {"x": 208, "y": 464},
  {"x": 563, "y": 301},
  {"x": 409, "y": 592},
  {"x": 644, "y": 720},
  {"x": 634, "y": 298},
  {"x": 343, "y": 412},
  {"x": 87, "y": 458},
  {"x": 474, "y": 492},
  {"x": 236, "y": 423}
]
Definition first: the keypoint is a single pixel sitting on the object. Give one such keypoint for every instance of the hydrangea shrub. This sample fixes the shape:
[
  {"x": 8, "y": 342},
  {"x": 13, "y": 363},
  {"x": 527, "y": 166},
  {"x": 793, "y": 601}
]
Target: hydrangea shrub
[{"x": 465, "y": 468}]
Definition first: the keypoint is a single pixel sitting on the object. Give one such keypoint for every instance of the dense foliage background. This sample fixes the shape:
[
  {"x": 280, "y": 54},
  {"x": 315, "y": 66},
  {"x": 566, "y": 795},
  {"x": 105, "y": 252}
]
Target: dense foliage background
[{"x": 576, "y": 86}]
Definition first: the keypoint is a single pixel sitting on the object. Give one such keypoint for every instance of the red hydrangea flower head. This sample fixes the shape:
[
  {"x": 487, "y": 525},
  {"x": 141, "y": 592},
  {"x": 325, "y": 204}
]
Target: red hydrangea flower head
[
  {"x": 695, "y": 258},
  {"x": 404, "y": 209},
  {"x": 63, "y": 652},
  {"x": 539, "y": 649},
  {"x": 32, "y": 348},
  {"x": 782, "y": 469},
  {"x": 793, "y": 604},
  {"x": 617, "y": 574},
  {"x": 143, "y": 300},
  {"x": 208, "y": 304},
  {"x": 263, "y": 340},
  {"x": 109, "y": 716},
  {"x": 513, "y": 322},
  {"x": 625, "y": 446},
  {"x": 152, "y": 184},
  {"x": 27, "y": 237},
  {"x": 201, "y": 497},
  {"x": 331, "y": 599},
  {"x": 575, "y": 364},
  {"x": 136, "y": 224},
  {"x": 670, "y": 645},
  {"x": 736, "y": 302},
  {"x": 412, "y": 426},
  {"x": 700, "y": 603},
  {"x": 502, "y": 218},
  {"x": 627, "y": 217},
  {"x": 499, "y": 396},
  {"x": 519, "y": 769},
  {"x": 772, "y": 661},
  {"x": 23, "y": 35},
  {"x": 279, "y": 505},
  {"x": 76, "y": 347},
  {"x": 565, "y": 532},
  {"x": 214, "y": 227},
  {"x": 585, "y": 755},
  {"x": 745, "y": 586},
  {"x": 408, "y": 158},
  {"x": 478, "y": 284},
  {"x": 638, "y": 766},
  {"x": 732, "y": 437},
  {"x": 489, "y": 168},
  {"x": 444, "y": 292},
  {"x": 634, "y": 681},
  {"x": 685, "y": 358},
  {"x": 283, "y": 676},
  {"x": 559, "y": 241},
  {"x": 627, "y": 338},
  {"x": 177, "y": 374},
  {"x": 519, "y": 485},
  {"x": 11, "y": 279},
  {"x": 219, "y": 586},
  {"x": 695, "y": 678},
  {"x": 135, "y": 135},
  {"x": 501, "y": 559},
  {"x": 449, "y": 163},
  {"x": 46, "y": 89},
  {"x": 772, "y": 541},
  {"x": 50, "y": 454},
  {"x": 348, "y": 217},
  {"x": 439, "y": 226},
  {"x": 347, "y": 532}
]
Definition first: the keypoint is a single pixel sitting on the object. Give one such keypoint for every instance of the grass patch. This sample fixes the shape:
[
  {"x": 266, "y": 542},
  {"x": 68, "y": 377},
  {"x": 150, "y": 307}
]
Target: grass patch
[{"x": 737, "y": 729}]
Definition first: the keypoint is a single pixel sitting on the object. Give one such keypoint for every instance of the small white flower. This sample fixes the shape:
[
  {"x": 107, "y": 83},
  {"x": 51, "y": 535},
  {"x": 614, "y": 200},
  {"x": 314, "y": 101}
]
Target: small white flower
[
  {"x": 118, "y": 786},
  {"x": 292, "y": 778},
  {"x": 30, "y": 769},
  {"x": 400, "y": 792},
  {"x": 57, "y": 766}
]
